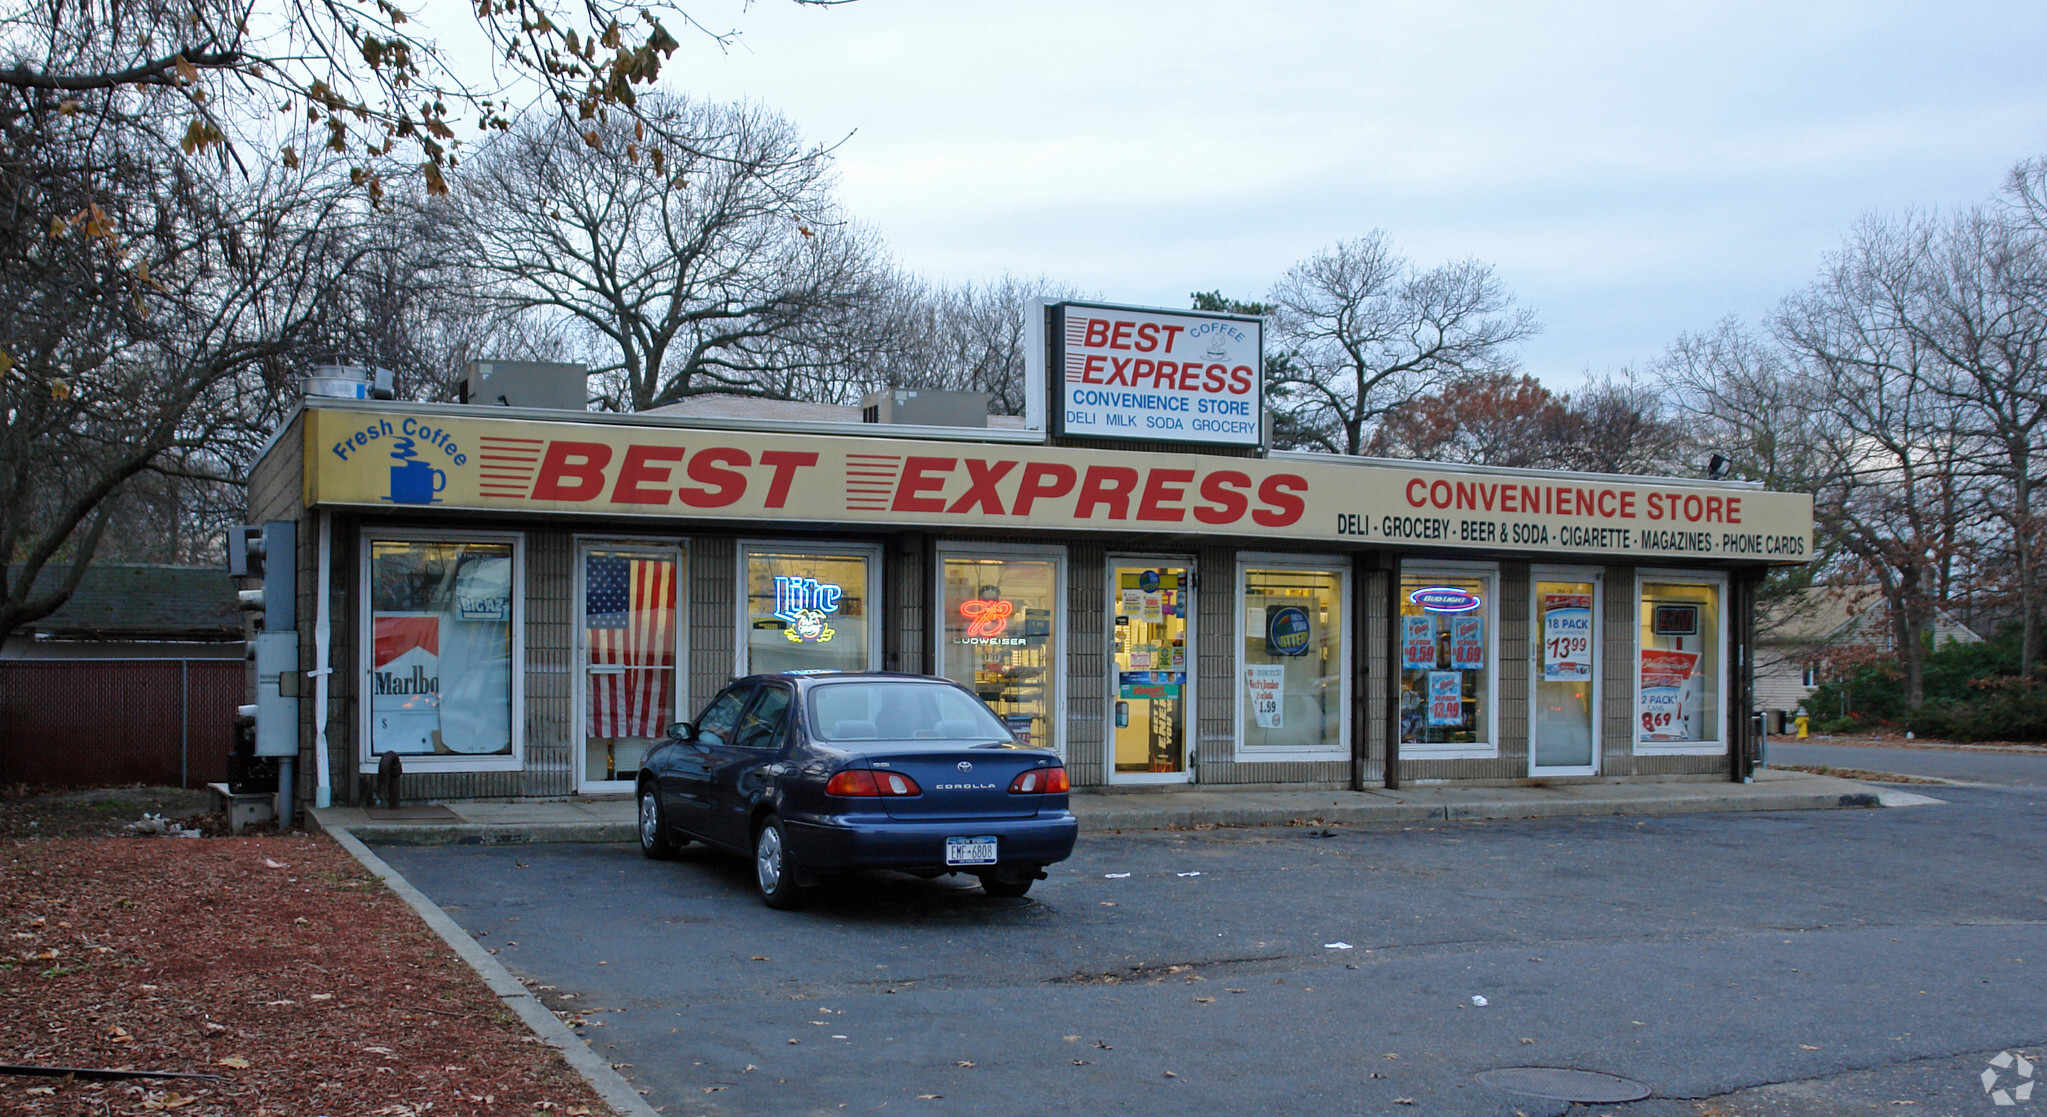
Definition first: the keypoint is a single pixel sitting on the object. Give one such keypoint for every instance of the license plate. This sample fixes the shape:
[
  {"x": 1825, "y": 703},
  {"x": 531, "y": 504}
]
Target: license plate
[{"x": 970, "y": 851}]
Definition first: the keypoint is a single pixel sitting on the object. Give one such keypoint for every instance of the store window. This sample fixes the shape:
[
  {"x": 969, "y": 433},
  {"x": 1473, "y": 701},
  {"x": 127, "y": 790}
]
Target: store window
[
  {"x": 630, "y": 635},
  {"x": 1294, "y": 694},
  {"x": 809, "y": 611},
  {"x": 1446, "y": 662},
  {"x": 1678, "y": 701},
  {"x": 442, "y": 675},
  {"x": 1000, "y": 636}
]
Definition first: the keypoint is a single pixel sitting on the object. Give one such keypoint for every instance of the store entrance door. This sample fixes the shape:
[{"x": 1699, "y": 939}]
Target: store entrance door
[
  {"x": 1151, "y": 603},
  {"x": 1565, "y": 679},
  {"x": 626, "y": 651}
]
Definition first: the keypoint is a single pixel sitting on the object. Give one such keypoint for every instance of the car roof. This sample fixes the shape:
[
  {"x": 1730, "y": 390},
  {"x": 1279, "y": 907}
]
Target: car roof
[{"x": 811, "y": 678}]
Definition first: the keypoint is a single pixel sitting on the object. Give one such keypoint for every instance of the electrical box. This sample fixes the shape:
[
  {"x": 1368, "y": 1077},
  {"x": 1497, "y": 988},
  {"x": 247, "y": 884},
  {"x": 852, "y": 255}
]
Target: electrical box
[{"x": 277, "y": 694}]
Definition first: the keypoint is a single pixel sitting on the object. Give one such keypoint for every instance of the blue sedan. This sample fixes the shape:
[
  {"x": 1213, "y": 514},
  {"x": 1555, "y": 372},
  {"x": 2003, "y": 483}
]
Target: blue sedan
[{"x": 820, "y": 773}]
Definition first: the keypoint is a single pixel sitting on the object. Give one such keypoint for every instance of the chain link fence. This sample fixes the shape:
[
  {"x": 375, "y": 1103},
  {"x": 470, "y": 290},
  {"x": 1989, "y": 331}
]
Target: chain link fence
[{"x": 97, "y": 722}]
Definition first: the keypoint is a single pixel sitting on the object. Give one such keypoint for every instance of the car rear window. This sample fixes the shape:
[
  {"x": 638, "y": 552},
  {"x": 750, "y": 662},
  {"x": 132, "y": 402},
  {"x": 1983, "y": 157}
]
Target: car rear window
[{"x": 902, "y": 712}]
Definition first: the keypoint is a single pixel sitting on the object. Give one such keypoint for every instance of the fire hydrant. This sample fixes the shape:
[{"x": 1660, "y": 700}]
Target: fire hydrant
[{"x": 1802, "y": 722}]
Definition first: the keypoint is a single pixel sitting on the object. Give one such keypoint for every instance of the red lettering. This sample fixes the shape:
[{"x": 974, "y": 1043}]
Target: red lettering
[
  {"x": 981, "y": 479},
  {"x": 1226, "y": 505},
  {"x": 1214, "y": 382},
  {"x": 1240, "y": 378},
  {"x": 918, "y": 479},
  {"x": 1417, "y": 501},
  {"x": 1467, "y": 495},
  {"x": 1171, "y": 333},
  {"x": 1509, "y": 496},
  {"x": 1694, "y": 508},
  {"x": 1734, "y": 510},
  {"x": 1105, "y": 484},
  {"x": 705, "y": 469},
  {"x": 1655, "y": 506},
  {"x": 1282, "y": 507},
  {"x": 1586, "y": 502},
  {"x": 1097, "y": 333},
  {"x": 1606, "y": 497},
  {"x": 1091, "y": 368},
  {"x": 1147, "y": 337},
  {"x": 1041, "y": 479},
  {"x": 1715, "y": 510},
  {"x": 1160, "y": 486},
  {"x": 786, "y": 463},
  {"x": 1118, "y": 369},
  {"x": 1119, "y": 336},
  {"x": 635, "y": 471},
  {"x": 1190, "y": 378},
  {"x": 1487, "y": 494},
  {"x": 1627, "y": 504},
  {"x": 1439, "y": 494},
  {"x": 572, "y": 471},
  {"x": 1142, "y": 369}
]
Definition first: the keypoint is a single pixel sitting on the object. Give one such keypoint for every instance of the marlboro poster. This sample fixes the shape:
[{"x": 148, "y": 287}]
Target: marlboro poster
[{"x": 405, "y": 683}]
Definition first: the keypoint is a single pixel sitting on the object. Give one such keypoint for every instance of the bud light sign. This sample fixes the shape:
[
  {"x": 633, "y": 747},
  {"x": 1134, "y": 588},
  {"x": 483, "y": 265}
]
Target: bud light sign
[
  {"x": 1444, "y": 599},
  {"x": 1286, "y": 630}
]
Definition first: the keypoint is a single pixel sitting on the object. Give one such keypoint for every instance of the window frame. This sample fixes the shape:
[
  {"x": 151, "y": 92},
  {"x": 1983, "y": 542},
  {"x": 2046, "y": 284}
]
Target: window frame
[
  {"x": 743, "y": 627},
  {"x": 1055, "y": 674},
  {"x": 1539, "y": 573},
  {"x": 1488, "y": 572},
  {"x": 1719, "y": 745},
  {"x": 1342, "y": 567},
  {"x": 366, "y": 759}
]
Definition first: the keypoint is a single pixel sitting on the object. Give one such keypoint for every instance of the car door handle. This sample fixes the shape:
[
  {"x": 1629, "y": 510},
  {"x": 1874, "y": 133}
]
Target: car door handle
[{"x": 777, "y": 768}]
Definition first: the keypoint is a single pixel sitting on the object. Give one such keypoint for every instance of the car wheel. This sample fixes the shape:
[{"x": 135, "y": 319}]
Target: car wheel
[
  {"x": 995, "y": 884},
  {"x": 774, "y": 869},
  {"x": 654, "y": 839}
]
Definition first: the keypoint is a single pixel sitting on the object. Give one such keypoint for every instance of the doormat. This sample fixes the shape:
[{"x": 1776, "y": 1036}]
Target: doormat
[{"x": 422, "y": 812}]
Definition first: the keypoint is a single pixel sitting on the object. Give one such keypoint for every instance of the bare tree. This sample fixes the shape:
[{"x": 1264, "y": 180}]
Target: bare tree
[
  {"x": 1619, "y": 423},
  {"x": 1364, "y": 332},
  {"x": 1500, "y": 419},
  {"x": 715, "y": 270}
]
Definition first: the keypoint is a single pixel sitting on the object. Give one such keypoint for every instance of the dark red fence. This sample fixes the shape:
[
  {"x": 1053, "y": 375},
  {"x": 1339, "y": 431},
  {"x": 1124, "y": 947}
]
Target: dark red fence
[{"x": 89, "y": 722}]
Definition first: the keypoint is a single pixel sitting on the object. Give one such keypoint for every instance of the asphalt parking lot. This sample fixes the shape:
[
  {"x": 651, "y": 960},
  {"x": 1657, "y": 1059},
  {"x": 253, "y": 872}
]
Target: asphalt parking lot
[{"x": 1798, "y": 962}]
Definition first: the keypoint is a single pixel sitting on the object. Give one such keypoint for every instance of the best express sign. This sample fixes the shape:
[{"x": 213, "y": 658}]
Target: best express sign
[
  {"x": 386, "y": 456},
  {"x": 1158, "y": 375}
]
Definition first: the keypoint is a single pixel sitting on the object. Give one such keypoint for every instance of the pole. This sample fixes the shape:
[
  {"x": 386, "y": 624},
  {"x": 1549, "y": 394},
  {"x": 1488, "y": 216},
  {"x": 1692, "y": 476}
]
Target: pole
[
  {"x": 184, "y": 723},
  {"x": 1393, "y": 672}
]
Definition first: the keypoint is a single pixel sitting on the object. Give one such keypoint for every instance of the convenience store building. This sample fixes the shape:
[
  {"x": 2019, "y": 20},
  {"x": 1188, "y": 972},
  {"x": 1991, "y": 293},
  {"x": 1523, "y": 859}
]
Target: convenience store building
[{"x": 517, "y": 601}]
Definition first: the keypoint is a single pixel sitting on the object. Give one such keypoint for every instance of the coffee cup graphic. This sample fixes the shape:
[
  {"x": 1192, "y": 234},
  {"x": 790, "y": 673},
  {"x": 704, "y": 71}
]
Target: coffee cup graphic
[{"x": 416, "y": 482}]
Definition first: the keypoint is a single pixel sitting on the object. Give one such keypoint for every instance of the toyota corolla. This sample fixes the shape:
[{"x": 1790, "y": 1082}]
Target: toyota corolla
[{"x": 815, "y": 774}]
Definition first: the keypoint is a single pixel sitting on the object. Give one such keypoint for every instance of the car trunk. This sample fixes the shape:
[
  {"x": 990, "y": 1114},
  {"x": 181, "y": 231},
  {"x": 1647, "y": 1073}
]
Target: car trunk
[{"x": 960, "y": 783}]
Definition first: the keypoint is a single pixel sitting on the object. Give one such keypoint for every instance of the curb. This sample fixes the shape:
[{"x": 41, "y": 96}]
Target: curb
[
  {"x": 1407, "y": 811},
  {"x": 609, "y": 1084}
]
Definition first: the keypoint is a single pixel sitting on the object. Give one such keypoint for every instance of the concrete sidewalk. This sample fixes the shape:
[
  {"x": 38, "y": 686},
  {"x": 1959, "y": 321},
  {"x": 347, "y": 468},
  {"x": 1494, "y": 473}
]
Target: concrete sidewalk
[{"x": 466, "y": 822}]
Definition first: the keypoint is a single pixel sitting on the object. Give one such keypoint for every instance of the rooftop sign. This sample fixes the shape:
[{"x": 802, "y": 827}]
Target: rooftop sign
[
  {"x": 1156, "y": 375},
  {"x": 384, "y": 455}
]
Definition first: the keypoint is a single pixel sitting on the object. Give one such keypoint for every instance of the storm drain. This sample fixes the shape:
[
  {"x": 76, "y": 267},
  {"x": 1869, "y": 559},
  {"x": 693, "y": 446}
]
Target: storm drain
[{"x": 1564, "y": 1084}]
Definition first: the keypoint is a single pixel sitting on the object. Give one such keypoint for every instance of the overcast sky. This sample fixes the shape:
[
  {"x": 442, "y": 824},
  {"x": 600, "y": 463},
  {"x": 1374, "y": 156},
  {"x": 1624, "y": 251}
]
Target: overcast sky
[{"x": 1633, "y": 170}]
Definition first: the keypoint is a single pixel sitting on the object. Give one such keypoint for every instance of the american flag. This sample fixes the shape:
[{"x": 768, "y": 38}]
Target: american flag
[{"x": 629, "y": 611}]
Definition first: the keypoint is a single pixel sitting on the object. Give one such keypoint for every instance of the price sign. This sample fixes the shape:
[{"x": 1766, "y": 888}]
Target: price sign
[
  {"x": 1418, "y": 643},
  {"x": 1267, "y": 686},
  {"x": 1467, "y": 643},
  {"x": 1666, "y": 706},
  {"x": 1446, "y": 698},
  {"x": 1566, "y": 637}
]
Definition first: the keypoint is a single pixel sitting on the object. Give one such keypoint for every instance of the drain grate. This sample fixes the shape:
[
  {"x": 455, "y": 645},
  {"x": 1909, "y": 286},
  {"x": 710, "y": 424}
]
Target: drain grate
[{"x": 1564, "y": 1084}]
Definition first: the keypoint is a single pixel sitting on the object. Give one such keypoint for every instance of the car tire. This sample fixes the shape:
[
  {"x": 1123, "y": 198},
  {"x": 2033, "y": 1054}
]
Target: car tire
[
  {"x": 774, "y": 869},
  {"x": 655, "y": 841},
  {"x": 1009, "y": 887}
]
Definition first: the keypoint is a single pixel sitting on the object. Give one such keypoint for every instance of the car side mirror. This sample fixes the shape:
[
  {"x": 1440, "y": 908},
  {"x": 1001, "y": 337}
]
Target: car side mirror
[{"x": 682, "y": 731}]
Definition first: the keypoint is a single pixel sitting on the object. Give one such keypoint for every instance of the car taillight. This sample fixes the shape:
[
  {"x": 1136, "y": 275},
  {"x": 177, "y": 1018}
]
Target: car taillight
[
  {"x": 1040, "y": 781},
  {"x": 857, "y": 783}
]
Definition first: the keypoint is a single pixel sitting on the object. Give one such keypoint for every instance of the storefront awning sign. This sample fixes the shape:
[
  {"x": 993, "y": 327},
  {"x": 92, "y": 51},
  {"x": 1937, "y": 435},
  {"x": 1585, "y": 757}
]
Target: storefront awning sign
[{"x": 372, "y": 454}]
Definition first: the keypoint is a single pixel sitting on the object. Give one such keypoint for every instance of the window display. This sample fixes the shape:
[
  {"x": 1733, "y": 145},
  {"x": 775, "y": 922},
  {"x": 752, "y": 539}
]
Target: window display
[
  {"x": 1293, "y": 695},
  {"x": 1151, "y": 606},
  {"x": 1678, "y": 700},
  {"x": 1445, "y": 659},
  {"x": 440, "y": 678},
  {"x": 807, "y": 612},
  {"x": 999, "y": 637},
  {"x": 1563, "y": 736}
]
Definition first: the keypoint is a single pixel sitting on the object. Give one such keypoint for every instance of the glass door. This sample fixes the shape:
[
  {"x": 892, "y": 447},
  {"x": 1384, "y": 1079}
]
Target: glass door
[
  {"x": 1564, "y": 738},
  {"x": 1151, "y": 604},
  {"x": 627, "y": 655}
]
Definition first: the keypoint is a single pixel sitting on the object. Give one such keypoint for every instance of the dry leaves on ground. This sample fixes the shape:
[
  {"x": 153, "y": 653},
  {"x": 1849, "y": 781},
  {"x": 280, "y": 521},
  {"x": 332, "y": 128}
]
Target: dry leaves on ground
[{"x": 309, "y": 988}]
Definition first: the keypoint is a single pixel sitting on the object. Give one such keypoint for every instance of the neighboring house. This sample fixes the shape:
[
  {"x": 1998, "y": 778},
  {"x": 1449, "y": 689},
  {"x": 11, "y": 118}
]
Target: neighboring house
[
  {"x": 124, "y": 611},
  {"x": 1792, "y": 645}
]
